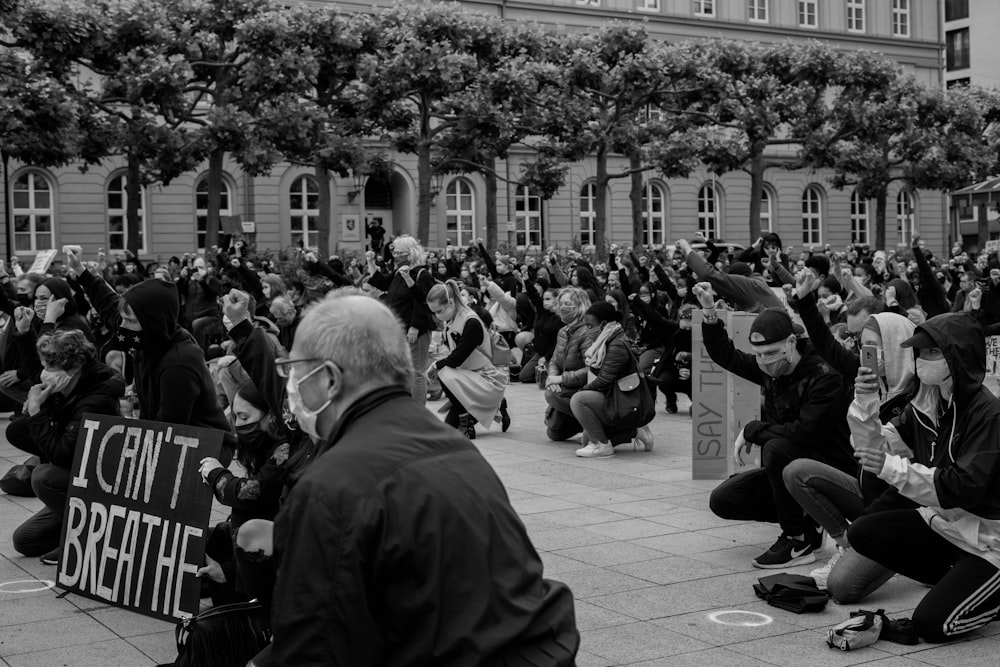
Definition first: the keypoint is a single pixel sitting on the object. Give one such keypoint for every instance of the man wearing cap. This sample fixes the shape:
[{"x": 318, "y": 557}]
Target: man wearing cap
[
  {"x": 740, "y": 286},
  {"x": 803, "y": 417},
  {"x": 941, "y": 455}
]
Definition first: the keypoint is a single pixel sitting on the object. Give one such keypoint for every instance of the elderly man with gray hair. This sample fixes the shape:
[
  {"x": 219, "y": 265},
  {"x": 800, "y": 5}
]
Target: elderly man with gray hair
[{"x": 398, "y": 545}]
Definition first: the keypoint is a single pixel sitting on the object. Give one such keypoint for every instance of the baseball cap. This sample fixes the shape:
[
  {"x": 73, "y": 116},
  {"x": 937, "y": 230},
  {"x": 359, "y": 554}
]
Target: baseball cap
[
  {"x": 920, "y": 340},
  {"x": 773, "y": 325}
]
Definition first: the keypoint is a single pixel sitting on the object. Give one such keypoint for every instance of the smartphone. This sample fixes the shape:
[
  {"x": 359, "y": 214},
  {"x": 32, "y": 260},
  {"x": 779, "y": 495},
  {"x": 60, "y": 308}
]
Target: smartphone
[{"x": 869, "y": 357}]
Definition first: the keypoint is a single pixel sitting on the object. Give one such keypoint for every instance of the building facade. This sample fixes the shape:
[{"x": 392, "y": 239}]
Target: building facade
[
  {"x": 972, "y": 54},
  {"x": 58, "y": 207}
]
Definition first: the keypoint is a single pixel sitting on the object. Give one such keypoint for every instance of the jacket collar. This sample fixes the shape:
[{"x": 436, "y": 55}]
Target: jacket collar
[{"x": 358, "y": 409}]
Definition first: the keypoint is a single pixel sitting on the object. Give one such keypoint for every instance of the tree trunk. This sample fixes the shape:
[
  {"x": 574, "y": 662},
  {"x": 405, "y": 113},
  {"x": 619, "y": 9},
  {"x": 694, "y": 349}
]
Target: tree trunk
[
  {"x": 601, "y": 204},
  {"x": 492, "y": 226},
  {"x": 639, "y": 238},
  {"x": 213, "y": 220},
  {"x": 756, "y": 190},
  {"x": 424, "y": 198},
  {"x": 325, "y": 206},
  {"x": 983, "y": 226},
  {"x": 133, "y": 196},
  {"x": 8, "y": 214},
  {"x": 880, "y": 204}
]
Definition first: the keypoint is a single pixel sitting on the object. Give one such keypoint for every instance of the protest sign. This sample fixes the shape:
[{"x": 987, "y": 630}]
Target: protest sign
[
  {"x": 137, "y": 515},
  {"x": 993, "y": 355},
  {"x": 43, "y": 261}
]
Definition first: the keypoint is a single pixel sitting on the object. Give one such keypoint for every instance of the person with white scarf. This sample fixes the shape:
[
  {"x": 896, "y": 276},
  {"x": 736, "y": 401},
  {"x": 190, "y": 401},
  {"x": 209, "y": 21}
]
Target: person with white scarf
[{"x": 608, "y": 359}]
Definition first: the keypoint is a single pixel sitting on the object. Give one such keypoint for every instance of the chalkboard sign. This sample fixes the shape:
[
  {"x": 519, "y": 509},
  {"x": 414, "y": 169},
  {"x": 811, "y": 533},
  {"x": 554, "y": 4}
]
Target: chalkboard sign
[{"x": 137, "y": 515}]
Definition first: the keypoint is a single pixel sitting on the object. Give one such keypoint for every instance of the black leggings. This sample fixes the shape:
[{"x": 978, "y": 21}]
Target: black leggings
[{"x": 966, "y": 588}]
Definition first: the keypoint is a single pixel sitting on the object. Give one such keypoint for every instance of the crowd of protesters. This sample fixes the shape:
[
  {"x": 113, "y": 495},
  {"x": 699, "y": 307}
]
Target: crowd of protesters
[{"x": 255, "y": 346}]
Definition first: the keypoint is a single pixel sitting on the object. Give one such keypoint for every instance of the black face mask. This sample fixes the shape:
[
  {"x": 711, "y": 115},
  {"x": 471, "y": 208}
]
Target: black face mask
[
  {"x": 25, "y": 299},
  {"x": 126, "y": 340},
  {"x": 251, "y": 438}
]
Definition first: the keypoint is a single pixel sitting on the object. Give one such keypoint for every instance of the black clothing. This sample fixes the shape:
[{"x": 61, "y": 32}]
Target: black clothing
[
  {"x": 399, "y": 547},
  {"x": 409, "y": 303}
]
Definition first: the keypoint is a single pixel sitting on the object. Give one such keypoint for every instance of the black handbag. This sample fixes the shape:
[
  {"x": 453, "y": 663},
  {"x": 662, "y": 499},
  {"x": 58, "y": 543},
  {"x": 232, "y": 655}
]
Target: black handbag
[
  {"x": 792, "y": 592},
  {"x": 17, "y": 481},
  {"x": 630, "y": 404},
  {"x": 226, "y": 636}
]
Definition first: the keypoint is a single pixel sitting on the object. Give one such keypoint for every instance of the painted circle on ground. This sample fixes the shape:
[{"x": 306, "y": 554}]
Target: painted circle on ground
[
  {"x": 750, "y": 619},
  {"x": 26, "y": 586}
]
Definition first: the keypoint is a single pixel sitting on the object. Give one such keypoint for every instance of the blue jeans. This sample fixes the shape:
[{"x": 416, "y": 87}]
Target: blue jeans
[
  {"x": 833, "y": 498},
  {"x": 588, "y": 408},
  {"x": 420, "y": 353}
]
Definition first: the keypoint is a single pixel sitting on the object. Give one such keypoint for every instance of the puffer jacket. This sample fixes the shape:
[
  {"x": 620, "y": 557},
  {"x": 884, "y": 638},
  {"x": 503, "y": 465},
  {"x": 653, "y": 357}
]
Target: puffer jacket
[
  {"x": 572, "y": 342},
  {"x": 617, "y": 364},
  {"x": 946, "y": 460}
]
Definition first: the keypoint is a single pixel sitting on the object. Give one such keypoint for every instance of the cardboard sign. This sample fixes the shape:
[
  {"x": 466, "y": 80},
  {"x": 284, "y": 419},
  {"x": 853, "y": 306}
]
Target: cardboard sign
[
  {"x": 993, "y": 355},
  {"x": 43, "y": 261},
  {"x": 137, "y": 514}
]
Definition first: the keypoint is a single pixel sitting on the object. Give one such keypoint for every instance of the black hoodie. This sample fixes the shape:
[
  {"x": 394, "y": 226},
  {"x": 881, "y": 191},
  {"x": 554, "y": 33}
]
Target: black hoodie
[{"x": 171, "y": 376}]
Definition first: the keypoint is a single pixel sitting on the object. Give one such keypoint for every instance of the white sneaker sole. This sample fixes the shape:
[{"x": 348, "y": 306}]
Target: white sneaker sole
[{"x": 801, "y": 560}]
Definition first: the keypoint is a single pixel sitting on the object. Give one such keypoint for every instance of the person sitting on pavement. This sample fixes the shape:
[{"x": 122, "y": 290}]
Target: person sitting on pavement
[
  {"x": 608, "y": 359},
  {"x": 399, "y": 544},
  {"x": 942, "y": 455},
  {"x": 834, "y": 498},
  {"x": 473, "y": 385},
  {"x": 802, "y": 417},
  {"x": 567, "y": 371},
  {"x": 72, "y": 384}
]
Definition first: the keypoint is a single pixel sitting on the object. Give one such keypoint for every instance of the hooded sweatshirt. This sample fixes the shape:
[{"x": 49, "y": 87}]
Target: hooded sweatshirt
[
  {"x": 945, "y": 455},
  {"x": 171, "y": 377}
]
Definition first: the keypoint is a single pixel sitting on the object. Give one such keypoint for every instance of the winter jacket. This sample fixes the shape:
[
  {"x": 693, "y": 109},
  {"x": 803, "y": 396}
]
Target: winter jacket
[
  {"x": 55, "y": 427},
  {"x": 744, "y": 292},
  {"x": 572, "y": 342},
  {"x": 171, "y": 377},
  {"x": 618, "y": 362},
  {"x": 546, "y": 327},
  {"x": 945, "y": 456},
  {"x": 399, "y": 546},
  {"x": 409, "y": 303},
  {"x": 805, "y": 408}
]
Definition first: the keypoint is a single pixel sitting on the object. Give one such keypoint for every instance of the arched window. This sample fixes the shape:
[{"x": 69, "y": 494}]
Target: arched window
[
  {"x": 654, "y": 214},
  {"x": 303, "y": 208},
  {"x": 812, "y": 215},
  {"x": 33, "y": 213},
  {"x": 708, "y": 212},
  {"x": 461, "y": 213},
  {"x": 859, "y": 219},
  {"x": 201, "y": 206},
  {"x": 117, "y": 204},
  {"x": 766, "y": 219},
  {"x": 905, "y": 216},
  {"x": 528, "y": 220},
  {"x": 588, "y": 214}
]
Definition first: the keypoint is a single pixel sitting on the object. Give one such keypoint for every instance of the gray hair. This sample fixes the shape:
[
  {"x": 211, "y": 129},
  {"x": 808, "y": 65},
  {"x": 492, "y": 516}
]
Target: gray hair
[
  {"x": 406, "y": 242},
  {"x": 358, "y": 333}
]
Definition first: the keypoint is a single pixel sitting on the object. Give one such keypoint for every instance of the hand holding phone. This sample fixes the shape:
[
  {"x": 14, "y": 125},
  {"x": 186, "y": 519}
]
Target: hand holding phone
[{"x": 869, "y": 357}]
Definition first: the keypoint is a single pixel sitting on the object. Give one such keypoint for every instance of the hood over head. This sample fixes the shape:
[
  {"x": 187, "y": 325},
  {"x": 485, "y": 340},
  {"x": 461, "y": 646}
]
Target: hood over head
[
  {"x": 157, "y": 306},
  {"x": 899, "y": 362},
  {"x": 60, "y": 289},
  {"x": 962, "y": 340}
]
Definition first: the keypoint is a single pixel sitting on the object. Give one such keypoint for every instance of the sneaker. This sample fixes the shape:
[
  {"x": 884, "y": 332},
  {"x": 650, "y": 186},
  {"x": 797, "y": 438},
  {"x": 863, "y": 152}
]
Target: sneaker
[
  {"x": 643, "y": 440},
  {"x": 596, "y": 450},
  {"x": 786, "y": 552},
  {"x": 821, "y": 574},
  {"x": 52, "y": 557}
]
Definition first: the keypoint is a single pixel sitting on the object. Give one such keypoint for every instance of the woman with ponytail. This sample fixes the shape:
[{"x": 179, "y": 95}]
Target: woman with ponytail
[{"x": 473, "y": 385}]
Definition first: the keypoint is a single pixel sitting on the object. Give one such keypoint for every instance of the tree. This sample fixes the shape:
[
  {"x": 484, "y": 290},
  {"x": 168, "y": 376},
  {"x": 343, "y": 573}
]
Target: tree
[
  {"x": 769, "y": 100},
  {"x": 621, "y": 92},
  {"x": 39, "y": 122},
  {"x": 425, "y": 55},
  {"x": 114, "y": 59},
  {"x": 308, "y": 102}
]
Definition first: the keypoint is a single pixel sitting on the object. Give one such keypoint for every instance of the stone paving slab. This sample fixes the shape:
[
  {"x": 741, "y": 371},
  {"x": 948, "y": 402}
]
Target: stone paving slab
[{"x": 632, "y": 535}]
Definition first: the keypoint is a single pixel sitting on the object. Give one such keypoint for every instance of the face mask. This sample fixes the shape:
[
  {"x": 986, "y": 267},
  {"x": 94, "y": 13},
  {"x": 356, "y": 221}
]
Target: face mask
[
  {"x": 305, "y": 417},
  {"x": 645, "y": 298},
  {"x": 251, "y": 438},
  {"x": 40, "y": 308},
  {"x": 56, "y": 379},
  {"x": 682, "y": 292},
  {"x": 933, "y": 371},
  {"x": 25, "y": 299},
  {"x": 833, "y": 302},
  {"x": 126, "y": 340},
  {"x": 776, "y": 367}
]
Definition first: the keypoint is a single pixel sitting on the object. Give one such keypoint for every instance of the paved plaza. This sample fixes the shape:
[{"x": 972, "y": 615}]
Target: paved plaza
[{"x": 632, "y": 536}]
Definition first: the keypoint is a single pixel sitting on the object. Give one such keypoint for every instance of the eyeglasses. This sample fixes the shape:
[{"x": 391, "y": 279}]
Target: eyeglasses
[{"x": 283, "y": 365}]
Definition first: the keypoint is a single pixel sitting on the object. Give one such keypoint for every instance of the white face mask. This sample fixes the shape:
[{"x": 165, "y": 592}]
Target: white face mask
[
  {"x": 305, "y": 417},
  {"x": 933, "y": 371},
  {"x": 57, "y": 380}
]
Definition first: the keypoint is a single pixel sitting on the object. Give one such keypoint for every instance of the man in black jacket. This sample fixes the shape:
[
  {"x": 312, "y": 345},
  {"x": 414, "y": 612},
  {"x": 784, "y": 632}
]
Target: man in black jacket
[
  {"x": 398, "y": 545},
  {"x": 804, "y": 416}
]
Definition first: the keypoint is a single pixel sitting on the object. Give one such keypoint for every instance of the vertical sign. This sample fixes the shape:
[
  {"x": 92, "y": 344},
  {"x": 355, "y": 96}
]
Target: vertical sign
[
  {"x": 721, "y": 402},
  {"x": 137, "y": 514}
]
